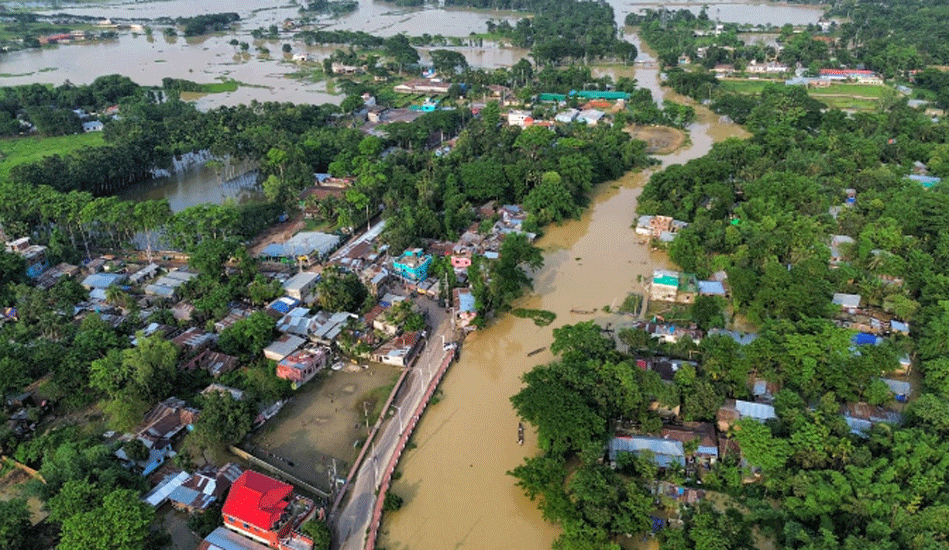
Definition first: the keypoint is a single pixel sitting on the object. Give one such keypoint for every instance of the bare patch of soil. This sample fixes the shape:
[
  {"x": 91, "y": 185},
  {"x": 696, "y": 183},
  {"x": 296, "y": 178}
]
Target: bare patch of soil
[{"x": 660, "y": 140}]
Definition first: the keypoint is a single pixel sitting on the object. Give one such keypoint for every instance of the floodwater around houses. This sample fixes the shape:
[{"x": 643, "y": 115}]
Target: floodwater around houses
[
  {"x": 457, "y": 492},
  {"x": 268, "y": 77}
]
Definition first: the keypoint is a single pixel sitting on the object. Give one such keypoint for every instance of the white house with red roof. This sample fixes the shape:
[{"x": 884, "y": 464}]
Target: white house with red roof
[{"x": 268, "y": 511}]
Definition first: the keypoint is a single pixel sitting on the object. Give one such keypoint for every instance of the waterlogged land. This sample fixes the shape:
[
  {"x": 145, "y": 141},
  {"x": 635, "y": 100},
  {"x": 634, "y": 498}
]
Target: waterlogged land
[{"x": 212, "y": 59}]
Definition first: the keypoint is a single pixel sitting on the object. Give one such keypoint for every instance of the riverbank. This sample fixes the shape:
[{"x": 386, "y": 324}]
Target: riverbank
[{"x": 456, "y": 490}]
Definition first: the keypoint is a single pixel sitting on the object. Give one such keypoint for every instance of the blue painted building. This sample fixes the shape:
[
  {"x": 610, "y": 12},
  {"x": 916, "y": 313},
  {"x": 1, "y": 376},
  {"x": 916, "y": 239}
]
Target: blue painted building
[{"x": 413, "y": 265}]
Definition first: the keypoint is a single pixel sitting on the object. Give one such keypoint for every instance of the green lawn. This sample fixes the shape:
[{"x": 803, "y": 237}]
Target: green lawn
[
  {"x": 745, "y": 86},
  {"x": 849, "y": 103},
  {"x": 14, "y": 151},
  {"x": 854, "y": 90}
]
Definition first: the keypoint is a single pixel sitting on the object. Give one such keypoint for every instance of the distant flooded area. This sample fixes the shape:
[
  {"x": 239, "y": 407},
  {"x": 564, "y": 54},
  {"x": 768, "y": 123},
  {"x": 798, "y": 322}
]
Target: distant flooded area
[{"x": 206, "y": 59}]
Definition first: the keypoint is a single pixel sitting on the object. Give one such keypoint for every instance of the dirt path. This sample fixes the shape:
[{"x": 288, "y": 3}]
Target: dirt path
[{"x": 278, "y": 233}]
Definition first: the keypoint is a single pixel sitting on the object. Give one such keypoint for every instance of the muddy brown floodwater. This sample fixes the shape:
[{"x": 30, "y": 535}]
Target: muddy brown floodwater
[{"x": 454, "y": 482}]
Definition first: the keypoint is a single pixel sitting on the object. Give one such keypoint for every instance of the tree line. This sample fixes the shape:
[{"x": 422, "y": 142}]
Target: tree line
[{"x": 760, "y": 210}]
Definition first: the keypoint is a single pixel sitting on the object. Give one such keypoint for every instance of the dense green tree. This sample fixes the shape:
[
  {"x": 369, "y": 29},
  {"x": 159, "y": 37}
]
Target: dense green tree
[
  {"x": 223, "y": 419},
  {"x": 121, "y": 522},
  {"x": 339, "y": 291},
  {"x": 14, "y": 524},
  {"x": 249, "y": 336}
]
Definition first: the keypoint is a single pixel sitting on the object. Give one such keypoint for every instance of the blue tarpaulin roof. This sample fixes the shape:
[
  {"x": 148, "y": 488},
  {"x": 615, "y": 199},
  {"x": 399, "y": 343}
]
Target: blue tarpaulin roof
[{"x": 865, "y": 339}]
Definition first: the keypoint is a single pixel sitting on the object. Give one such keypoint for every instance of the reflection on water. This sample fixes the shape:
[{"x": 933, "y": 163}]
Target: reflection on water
[{"x": 193, "y": 183}]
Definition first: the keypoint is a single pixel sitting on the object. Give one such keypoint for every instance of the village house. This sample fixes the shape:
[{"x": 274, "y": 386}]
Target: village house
[
  {"x": 663, "y": 228},
  {"x": 233, "y": 316},
  {"x": 281, "y": 306},
  {"x": 465, "y": 309},
  {"x": 412, "y": 265},
  {"x": 665, "y": 367},
  {"x": 847, "y": 302},
  {"x": 423, "y": 86},
  {"x": 311, "y": 197},
  {"x": 736, "y": 409},
  {"x": 302, "y": 365},
  {"x": 861, "y": 417},
  {"x": 168, "y": 420},
  {"x": 225, "y": 539},
  {"x": 298, "y": 321},
  {"x": 168, "y": 285},
  {"x": 670, "y": 333},
  {"x": 236, "y": 394},
  {"x": 861, "y": 76},
  {"x": 328, "y": 326},
  {"x": 566, "y": 117},
  {"x": 204, "y": 487},
  {"x": 304, "y": 248},
  {"x": 160, "y": 493},
  {"x": 51, "y": 276},
  {"x": 384, "y": 320},
  {"x": 520, "y": 118},
  {"x": 766, "y": 68},
  {"x": 302, "y": 286},
  {"x": 400, "y": 351},
  {"x": 665, "y": 285},
  {"x": 664, "y": 452},
  {"x": 216, "y": 363},
  {"x": 193, "y": 340},
  {"x": 267, "y": 511},
  {"x": 840, "y": 247},
  {"x": 283, "y": 346},
  {"x": 342, "y": 68},
  {"x": 706, "y": 452},
  {"x": 591, "y": 117}
]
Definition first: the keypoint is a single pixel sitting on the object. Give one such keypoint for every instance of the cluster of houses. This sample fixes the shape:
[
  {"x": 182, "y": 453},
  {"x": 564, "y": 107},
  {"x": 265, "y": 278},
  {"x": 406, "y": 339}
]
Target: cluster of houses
[
  {"x": 258, "y": 512},
  {"x": 694, "y": 446},
  {"x": 661, "y": 228},
  {"x": 672, "y": 286},
  {"x": 826, "y": 77}
]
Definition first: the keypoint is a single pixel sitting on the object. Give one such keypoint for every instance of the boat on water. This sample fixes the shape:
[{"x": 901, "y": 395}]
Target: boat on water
[{"x": 535, "y": 352}]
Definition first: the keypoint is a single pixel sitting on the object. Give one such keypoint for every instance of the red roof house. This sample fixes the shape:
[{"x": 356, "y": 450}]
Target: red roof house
[{"x": 267, "y": 510}]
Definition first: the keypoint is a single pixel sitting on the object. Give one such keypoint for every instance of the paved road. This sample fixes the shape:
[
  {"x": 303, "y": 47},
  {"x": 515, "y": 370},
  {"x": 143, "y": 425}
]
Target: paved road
[{"x": 354, "y": 515}]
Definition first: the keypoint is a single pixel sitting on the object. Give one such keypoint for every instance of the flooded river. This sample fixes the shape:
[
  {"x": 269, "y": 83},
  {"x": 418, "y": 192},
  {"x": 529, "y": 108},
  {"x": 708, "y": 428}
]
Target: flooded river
[{"x": 454, "y": 483}]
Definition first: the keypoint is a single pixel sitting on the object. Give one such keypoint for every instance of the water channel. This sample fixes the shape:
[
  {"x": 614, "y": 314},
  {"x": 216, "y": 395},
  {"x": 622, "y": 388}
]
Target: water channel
[{"x": 454, "y": 482}]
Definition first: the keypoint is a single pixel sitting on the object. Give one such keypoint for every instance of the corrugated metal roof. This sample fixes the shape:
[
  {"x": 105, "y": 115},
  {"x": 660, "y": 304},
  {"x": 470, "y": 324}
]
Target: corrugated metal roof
[
  {"x": 225, "y": 539},
  {"x": 898, "y": 387},
  {"x": 715, "y": 288},
  {"x": 164, "y": 489},
  {"x": 758, "y": 411},
  {"x": 300, "y": 280},
  {"x": 665, "y": 451},
  {"x": 847, "y": 300},
  {"x": 102, "y": 280}
]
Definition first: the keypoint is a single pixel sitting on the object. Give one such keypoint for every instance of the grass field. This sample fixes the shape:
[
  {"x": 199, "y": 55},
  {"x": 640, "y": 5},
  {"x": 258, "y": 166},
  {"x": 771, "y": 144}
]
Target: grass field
[
  {"x": 852, "y": 90},
  {"x": 745, "y": 86},
  {"x": 849, "y": 103},
  {"x": 14, "y": 151},
  {"x": 860, "y": 97}
]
